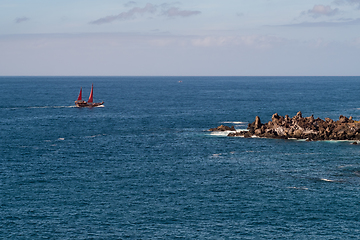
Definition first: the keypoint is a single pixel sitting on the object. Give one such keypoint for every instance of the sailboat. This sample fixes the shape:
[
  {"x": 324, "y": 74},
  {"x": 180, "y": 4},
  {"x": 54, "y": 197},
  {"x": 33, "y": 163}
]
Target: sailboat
[{"x": 90, "y": 103}]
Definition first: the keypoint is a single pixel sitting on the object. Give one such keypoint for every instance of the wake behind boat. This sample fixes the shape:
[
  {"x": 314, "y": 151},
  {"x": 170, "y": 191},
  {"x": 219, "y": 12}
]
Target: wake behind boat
[{"x": 90, "y": 103}]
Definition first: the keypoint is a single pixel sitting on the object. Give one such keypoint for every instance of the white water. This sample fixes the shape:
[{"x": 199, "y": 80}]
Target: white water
[
  {"x": 239, "y": 123},
  {"x": 41, "y": 107}
]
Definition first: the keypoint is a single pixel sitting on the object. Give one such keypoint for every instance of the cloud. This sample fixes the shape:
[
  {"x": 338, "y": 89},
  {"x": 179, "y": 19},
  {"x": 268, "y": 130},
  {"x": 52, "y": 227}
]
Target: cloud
[
  {"x": 255, "y": 41},
  {"x": 321, "y": 10},
  {"x": 352, "y": 22},
  {"x": 130, "y": 3},
  {"x": 84, "y": 54},
  {"x": 169, "y": 5},
  {"x": 149, "y": 8},
  {"x": 167, "y": 10},
  {"x": 348, "y": 2},
  {"x": 175, "y": 12},
  {"x": 22, "y": 19}
]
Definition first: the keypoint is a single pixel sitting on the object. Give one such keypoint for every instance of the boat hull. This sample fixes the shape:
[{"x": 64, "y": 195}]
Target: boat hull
[{"x": 87, "y": 105}]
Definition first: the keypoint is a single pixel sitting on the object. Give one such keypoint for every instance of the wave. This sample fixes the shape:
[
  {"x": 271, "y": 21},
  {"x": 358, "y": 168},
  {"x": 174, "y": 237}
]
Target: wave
[
  {"x": 97, "y": 135},
  {"x": 217, "y": 155},
  {"x": 239, "y": 123},
  {"x": 326, "y": 180},
  {"x": 349, "y": 170},
  {"x": 225, "y": 133},
  {"x": 55, "y": 107},
  {"x": 220, "y": 133},
  {"x": 44, "y": 107},
  {"x": 330, "y": 180},
  {"x": 40, "y": 107},
  {"x": 299, "y": 188}
]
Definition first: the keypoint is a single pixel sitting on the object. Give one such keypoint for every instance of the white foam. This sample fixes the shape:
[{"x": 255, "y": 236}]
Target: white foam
[
  {"x": 93, "y": 136},
  {"x": 42, "y": 107},
  {"x": 53, "y": 107},
  {"x": 221, "y": 133},
  {"x": 236, "y": 122},
  {"x": 326, "y": 180},
  {"x": 215, "y": 155},
  {"x": 242, "y": 130},
  {"x": 299, "y": 188}
]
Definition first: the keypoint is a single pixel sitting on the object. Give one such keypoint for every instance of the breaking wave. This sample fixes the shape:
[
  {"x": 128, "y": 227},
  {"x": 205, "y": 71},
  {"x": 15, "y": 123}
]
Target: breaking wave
[
  {"x": 220, "y": 133},
  {"x": 299, "y": 188},
  {"x": 238, "y": 123}
]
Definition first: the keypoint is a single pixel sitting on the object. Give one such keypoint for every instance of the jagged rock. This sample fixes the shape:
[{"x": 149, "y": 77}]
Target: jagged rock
[
  {"x": 257, "y": 122},
  {"x": 343, "y": 119},
  {"x": 298, "y": 115},
  {"x": 298, "y": 127},
  {"x": 258, "y": 131},
  {"x": 238, "y": 134},
  {"x": 222, "y": 128},
  {"x": 329, "y": 120},
  {"x": 310, "y": 119},
  {"x": 287, "y": 119}
]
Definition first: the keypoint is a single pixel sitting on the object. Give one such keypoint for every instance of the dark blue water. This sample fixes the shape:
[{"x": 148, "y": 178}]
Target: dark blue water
[{"x": 144, "y": 166}]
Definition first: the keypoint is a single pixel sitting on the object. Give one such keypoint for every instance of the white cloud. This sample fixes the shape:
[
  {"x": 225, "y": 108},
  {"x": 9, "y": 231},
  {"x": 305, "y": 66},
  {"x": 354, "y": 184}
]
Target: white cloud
[
  {"x": 174, "y": 12},
  {"x": 321, "y": 10},
  {"x": 253, "y": 41},
  {"x": 338, "y": 23},
  {"x": 119, "y": 54},
  {"x": 130, "y": 3},
  {"x": 256, "y": 41},
  {"x": 348, "y": 2}
]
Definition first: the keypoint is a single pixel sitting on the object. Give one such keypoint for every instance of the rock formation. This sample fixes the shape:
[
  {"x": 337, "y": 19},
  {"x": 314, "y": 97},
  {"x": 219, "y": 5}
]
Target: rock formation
[
  {"x": 222, "y": 128},
  {"x": 300, "y": 127}
]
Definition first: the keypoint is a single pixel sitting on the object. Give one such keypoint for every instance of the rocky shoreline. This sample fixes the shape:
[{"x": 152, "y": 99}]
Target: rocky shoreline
[{"x": 299, "y": 127}]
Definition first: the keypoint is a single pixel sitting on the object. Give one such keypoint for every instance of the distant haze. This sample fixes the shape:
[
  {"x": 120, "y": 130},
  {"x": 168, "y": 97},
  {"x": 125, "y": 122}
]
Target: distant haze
[{"x": 197, "y": 38}]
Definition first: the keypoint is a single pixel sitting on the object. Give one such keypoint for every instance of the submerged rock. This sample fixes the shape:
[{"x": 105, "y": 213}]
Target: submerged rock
[
  {"x": 300, "y": 127},
  {"x": 222, "y": 128}
]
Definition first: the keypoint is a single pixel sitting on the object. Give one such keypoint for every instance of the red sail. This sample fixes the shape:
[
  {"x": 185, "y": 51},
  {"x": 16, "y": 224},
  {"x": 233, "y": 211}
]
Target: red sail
[
  {"x": 91, "y": 94},
  {"x": 80, "y": 95}
]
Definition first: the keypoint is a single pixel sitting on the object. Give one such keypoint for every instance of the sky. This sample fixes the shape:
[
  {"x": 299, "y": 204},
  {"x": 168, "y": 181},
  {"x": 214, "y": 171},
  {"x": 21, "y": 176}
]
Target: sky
[{"x": 180, "y": 38}]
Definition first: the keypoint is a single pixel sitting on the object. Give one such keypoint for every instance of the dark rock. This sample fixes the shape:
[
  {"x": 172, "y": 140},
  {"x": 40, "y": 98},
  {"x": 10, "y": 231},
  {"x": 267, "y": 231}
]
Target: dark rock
[
  {"x": 328, "y": 120},
  {"x": 222, "y": 128},
  {"x": 287, "y": 119},
  {"x": 257, "y": 123},
  {"x": 298, "y": 115},
  {"x": 298, "y": 127},
  {"x": 343, "y": 119}
]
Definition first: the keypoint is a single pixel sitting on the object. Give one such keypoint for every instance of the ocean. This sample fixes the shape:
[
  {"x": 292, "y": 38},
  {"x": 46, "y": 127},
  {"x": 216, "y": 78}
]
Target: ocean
[{"x": 144, "y": 166}]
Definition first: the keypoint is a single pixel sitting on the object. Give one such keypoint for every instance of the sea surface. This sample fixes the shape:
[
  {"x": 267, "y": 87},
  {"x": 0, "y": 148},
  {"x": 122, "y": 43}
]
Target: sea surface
[{"x": 144, "y": 166}]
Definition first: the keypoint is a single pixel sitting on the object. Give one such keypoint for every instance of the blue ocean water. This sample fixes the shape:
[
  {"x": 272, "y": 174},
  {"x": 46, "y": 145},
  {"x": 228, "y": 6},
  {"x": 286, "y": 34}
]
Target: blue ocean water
[{"x": 144, "y": 166}]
